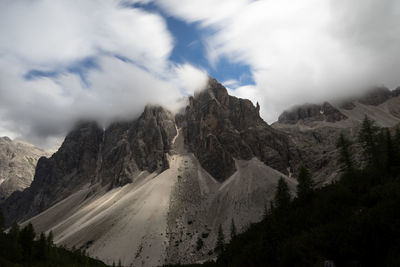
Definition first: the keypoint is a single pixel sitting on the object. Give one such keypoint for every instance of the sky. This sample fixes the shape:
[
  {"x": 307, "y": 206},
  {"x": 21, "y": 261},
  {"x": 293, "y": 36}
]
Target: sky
[{"x": 67, "y": 60}]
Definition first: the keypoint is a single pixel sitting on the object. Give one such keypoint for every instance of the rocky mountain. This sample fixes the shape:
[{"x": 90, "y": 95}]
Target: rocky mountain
[
  {"x": 146, "y": 191},
  {"x": 315, "y": 128},
  {"x": 219, "y": 128},
  {"x": 153, "y": 186},
  {"x": 17, "y": 165}
]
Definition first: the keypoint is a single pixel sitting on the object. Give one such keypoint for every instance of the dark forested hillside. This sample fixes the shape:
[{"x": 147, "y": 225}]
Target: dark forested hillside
[
  {"x": 21, "y": 247},
  {"x": 351, "y": 222}
]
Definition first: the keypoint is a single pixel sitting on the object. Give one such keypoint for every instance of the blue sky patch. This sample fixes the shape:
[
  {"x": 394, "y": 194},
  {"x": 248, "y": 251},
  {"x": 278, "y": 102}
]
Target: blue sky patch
[
  {"x": 189, "y": 47},
  {"x": 80, "y": 68}
]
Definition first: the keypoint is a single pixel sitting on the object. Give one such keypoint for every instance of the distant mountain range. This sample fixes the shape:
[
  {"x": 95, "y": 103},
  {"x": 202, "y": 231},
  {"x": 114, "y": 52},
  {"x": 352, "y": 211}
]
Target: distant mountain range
[
  {"x": 17, "y": 165},
  {"x": 145, "y": 191}
]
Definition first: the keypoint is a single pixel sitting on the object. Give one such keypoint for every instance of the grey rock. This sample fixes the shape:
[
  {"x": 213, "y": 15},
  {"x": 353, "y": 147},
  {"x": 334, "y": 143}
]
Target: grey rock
[
  {"x": 17, "y": 165},
  {"x": 140, "y": 144},
  {"x": 312, "y": 112},
  {"x": 219, "y": 128},
  {"x": 65, "y": 172},
  {"x": 90, "y": 155},
  {"x": 376, "y": 96}
]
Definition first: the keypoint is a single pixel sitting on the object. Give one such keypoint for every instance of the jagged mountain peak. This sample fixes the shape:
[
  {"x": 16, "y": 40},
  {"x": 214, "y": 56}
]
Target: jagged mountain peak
[{"x": 219, "y": 128}]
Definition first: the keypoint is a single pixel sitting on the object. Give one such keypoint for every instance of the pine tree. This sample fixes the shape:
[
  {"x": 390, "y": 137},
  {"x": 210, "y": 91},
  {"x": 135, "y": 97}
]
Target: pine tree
[
  {"x": 368, "y": 138},
  {"x": 305, "y": 185},
  {"x": 15, "y": 247},
  {"x": 390, "y": 151},
  {"x": 50, "y": 239},
  {"x": 42, "y": 247},
  {"x": 1, "y": 221},
  {"x": 345, "y": 158},
  {"x": 397, "y": 136},
  {"x": 26, "y": 238},
  {"x": 233, "y": 229},
  {"x": 282, "y": 195},
  {"x": 220, "y": 245},
  {"x": 397, "y": 148}
]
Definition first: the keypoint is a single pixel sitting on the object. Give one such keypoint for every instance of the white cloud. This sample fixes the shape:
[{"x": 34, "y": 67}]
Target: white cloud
[
  {"x": 52, "y": 35},
  {"x": 47, "y": 34},
  {"x": 41, "y": 109},
  {"x": 190, "y": 78},
  {"x": 301, "y": 51}
]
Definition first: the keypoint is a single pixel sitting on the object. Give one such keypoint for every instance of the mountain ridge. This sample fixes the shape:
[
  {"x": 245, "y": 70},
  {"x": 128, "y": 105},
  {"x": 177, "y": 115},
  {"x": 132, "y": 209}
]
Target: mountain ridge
[{"x": 160, "y": 182}]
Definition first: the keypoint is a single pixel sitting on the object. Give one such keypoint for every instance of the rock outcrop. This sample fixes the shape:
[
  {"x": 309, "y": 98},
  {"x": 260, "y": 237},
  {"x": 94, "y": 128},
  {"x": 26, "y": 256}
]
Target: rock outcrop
[
  {"x": 312, "y": 112},
  {"x": 376, "y": 96},
  {"x": 89, "y": 155},
  {"x": 17, "y": 165},
  {"x": 219, "y": 128},
  {"x": 137, "y": 145},
  {"x": 65, "y": 172},
  {"x": 315, "y": 128}
]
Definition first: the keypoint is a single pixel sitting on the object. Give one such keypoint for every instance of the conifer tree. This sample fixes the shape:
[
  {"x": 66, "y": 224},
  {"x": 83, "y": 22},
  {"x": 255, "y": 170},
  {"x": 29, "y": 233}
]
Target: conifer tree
[
  {"x": 305, "y": 185},
  {"x": 15, "y": 247},
  {"x": 50, "y": 238},
  {"x": 282, "y": 195},
  {"x": 397, "y": 136},
  {"x": 1, "y": 221},
  {"x": 26, "y": 238},
  {"x": 368, "y": 138},
  {"x": 390, "y": 151},
  {"x": 233, "y": 229},
  {"x": 220, "y": 245},
  {"x": 345, "y": 157},
  {"x": 41, "y": 252}
]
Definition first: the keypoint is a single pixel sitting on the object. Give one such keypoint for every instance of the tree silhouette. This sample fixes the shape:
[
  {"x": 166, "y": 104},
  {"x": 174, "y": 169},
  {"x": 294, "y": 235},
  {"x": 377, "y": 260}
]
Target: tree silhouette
[
  {"x": 220, "y": 244},
  {"x": 233, "y": 229},
  {"x": 305, "y": 185},
  {"x": 26, "y": 238},
  {"x": 368, "y": 138},
  {"x": 282, "y": 195},
  {"x": 345, "y": 158}
]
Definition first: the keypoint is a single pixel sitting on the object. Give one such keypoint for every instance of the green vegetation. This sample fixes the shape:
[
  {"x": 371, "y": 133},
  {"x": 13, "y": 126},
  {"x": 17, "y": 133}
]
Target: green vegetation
[
  {"x": 352, "y": 222},
  {"x": 20, "y": 247}
]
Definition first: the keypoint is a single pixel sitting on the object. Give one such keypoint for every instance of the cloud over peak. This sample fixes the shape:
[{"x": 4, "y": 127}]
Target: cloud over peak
[
  {"x": 61, "y": 61},
  {"x": 65, "y": 60}
]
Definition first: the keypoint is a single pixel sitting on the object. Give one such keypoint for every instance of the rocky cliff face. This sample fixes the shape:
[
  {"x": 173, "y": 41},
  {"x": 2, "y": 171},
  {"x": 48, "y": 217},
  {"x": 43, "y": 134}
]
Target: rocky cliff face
[
  {"x": 312, "y": 112},
  {"x": 153, "y": 186},
  {"x": 315, "y": 128},
  {"x": 137, "y": 145},
  {"x": 219, "y": 128},
  {"x": 89, "y": 155},
  {"x": 67, "y": 171},
  {"x": 17, "y": 165}
]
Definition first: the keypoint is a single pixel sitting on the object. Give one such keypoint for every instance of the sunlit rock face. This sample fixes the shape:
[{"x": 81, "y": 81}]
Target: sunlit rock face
[{"x": 17, "y": 165}]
